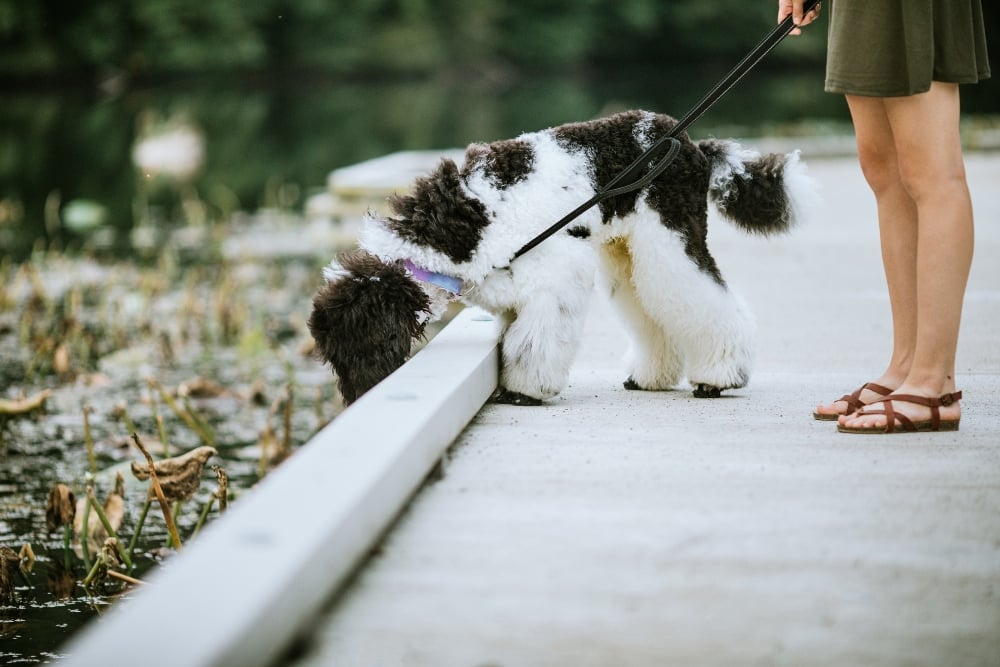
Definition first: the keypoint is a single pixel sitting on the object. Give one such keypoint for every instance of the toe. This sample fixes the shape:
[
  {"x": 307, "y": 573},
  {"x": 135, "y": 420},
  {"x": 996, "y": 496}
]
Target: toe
[{"x": 835, "y": 408}]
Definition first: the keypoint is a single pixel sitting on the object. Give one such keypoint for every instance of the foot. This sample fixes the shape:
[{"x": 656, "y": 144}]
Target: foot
[
  {"x": 851, "y": 403},
  {"x": 917, "y": 414},
  {"x": 509, "y": 397},
  {"x": 707, "y": 391},
  {"x": 632, "y": 385}
]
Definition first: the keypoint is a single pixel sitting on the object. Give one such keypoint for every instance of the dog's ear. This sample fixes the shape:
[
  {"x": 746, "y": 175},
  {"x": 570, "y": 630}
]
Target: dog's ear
[
  {"x": 365, "y": 318},
  {"x": 439, "y": 214}
]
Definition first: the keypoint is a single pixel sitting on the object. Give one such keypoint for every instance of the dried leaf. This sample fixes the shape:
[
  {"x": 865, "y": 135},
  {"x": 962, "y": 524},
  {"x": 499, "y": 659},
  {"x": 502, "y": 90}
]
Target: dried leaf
[
  {"x": 107, "y": 558},
  {"x": 61, "y": 363},
  {"x": 27, "y": 555},
  {"x": 109, "y": 553},
  {"x": 9, "y": 562},
  {"x": 200, "y": 387},
  {"x": 114, "y": 510},
  {"x": 60, "y": 508},
  {"x": 25, "y": 405},
  {"x": 222, "y": 493},
  {"x": 179, "y": 476}
]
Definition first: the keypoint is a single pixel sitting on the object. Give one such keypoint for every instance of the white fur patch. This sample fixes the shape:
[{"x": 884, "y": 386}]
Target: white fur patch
[
  {"x": 642, "y": 129},
  {"x": 801, "y": 189},
  {"x": 724, "y": 172},
  {"x": 335, "y": 272},
  {"x": 559, "y": 181}
]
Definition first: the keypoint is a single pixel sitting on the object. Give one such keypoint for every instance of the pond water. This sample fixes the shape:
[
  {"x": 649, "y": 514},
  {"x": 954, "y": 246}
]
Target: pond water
[
  {"x": 67, "y": 158},
  {"x": 129, "y": 263},
  {"x": 225, "y": 339}
]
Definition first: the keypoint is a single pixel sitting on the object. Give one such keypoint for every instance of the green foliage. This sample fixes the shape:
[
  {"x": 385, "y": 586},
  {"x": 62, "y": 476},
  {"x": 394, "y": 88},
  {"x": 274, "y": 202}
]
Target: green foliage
[
  {"x": 193, "y": 34},
  {"x": 144, "y": 37}
]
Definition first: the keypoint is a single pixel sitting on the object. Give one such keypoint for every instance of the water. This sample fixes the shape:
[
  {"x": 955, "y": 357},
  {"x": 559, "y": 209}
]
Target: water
[
  {"x": 67, "y": 157},
  {"x": 238, "y": 321}
]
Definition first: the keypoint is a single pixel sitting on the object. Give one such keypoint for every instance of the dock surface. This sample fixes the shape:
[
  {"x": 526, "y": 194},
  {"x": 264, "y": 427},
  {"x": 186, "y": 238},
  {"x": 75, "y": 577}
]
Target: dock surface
[
  {"x": 615, "y": 527},
  {"x": 618, "y": 528}
]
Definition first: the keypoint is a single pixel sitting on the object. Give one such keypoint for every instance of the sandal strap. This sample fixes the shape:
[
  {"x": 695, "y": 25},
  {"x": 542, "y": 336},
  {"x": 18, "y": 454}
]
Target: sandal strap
[
  {"x": 877, "y": 388},
  {"x": 890, "y": 418},
  {"x": 854, "y": 402},
  {"x": 905, "y": 422}
]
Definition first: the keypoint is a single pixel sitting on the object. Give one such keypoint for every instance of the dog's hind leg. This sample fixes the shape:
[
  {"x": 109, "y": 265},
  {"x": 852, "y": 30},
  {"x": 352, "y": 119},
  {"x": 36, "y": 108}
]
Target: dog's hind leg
[
  {"x": 721, "y": 355},
  {"x": 653, "y": 361},
  {"x": 712, "y": 327}
]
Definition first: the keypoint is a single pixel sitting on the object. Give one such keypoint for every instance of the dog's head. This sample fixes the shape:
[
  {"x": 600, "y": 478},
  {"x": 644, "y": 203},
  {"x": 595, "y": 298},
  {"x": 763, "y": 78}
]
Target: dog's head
[
  {"x": 440, "y": 215},
  {"x": 365, "y": 318}
]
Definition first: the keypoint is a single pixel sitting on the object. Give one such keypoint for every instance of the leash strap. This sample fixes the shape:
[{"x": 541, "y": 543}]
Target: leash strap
[{"x": 668, "y": 146}]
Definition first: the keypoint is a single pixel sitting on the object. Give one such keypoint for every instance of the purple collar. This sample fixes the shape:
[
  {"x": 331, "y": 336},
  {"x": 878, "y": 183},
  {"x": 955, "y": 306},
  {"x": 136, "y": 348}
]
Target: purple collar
[{"x": 449, "y": 283}]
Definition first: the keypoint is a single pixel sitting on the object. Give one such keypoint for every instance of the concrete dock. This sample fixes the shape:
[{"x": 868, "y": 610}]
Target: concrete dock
[
  {"x": 619, "y": 528},
  {"x": 614, "y": 527}
]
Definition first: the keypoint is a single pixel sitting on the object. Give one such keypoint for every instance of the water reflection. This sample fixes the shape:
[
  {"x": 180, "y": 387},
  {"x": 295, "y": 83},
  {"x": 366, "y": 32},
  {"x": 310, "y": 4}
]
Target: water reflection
[{"x": 72, "y": 163}]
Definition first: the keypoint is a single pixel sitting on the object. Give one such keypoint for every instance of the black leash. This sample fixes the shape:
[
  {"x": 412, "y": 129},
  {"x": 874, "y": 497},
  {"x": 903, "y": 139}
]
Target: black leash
[{"x": 666, "y": 148}]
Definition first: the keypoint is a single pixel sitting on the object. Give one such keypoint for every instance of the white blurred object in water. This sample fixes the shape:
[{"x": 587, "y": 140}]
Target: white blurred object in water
[{"x": 175, "y": 150}]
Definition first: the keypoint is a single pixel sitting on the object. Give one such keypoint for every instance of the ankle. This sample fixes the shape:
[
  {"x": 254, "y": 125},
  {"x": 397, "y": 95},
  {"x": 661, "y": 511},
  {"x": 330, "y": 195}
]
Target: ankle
[
  {"x": 893, "y": 376},
  {"x": 929, "y": 385}
]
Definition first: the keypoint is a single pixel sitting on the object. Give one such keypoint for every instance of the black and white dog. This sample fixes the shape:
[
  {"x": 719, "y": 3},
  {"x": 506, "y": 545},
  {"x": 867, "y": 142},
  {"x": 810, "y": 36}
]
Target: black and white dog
[{"x": 457, "y": 230}]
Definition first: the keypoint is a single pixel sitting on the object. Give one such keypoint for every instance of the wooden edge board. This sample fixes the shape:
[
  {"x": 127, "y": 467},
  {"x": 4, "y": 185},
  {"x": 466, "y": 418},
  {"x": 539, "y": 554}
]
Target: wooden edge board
[{"x": 252, "y": 580}]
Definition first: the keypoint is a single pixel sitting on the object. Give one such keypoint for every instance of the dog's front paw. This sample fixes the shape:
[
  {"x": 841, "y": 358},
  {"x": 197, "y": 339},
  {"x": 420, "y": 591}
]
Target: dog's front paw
[
  {"x": 508, "y": 397},
  {"x": 707, "y": 391},
  {"x": 632, "y": 385}
]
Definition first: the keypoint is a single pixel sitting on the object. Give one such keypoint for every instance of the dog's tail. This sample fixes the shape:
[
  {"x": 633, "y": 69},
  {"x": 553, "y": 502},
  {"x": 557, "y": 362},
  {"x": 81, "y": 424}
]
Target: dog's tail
[
  {"x": 760, "y": 194},
  {"x": 365, "y": 318}
]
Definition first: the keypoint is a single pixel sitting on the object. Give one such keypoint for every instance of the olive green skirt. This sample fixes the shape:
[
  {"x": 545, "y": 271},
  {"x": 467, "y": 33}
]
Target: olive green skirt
[{"x": 890, "y": 48}]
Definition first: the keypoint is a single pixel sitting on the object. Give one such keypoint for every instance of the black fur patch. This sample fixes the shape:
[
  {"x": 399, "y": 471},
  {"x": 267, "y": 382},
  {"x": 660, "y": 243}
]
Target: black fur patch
[
  {"x": 678, "y": 195},
  {"x": 757, "y": 202},
  {"x": 504, "y": 163},
  {"x": 508, "y": 397},
  {"x": 611, "y": 145},
  {"x": 579, "y": 232},
  {"x": 364, "y": 322},
  {"x": 439, "y": 215}
]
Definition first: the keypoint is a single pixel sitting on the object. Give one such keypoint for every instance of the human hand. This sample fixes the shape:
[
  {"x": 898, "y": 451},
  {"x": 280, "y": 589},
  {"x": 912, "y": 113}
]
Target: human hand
[{"x": 794, "y": 7}]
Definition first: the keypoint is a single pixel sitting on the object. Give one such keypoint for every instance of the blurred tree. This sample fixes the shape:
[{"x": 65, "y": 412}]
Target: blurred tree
[
  {"x": 150, "y": 37},
  {"x": 171, "y": 35}
]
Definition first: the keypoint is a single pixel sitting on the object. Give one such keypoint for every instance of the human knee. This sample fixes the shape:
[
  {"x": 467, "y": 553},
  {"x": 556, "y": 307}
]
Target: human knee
[
  {"x": 879, "y": 166},
  {"x": 924, "y": 179}
]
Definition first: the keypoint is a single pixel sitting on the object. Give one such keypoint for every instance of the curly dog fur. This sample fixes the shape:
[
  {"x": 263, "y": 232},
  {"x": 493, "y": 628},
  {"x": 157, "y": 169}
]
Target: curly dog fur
[{"x": 648, "y": 248}]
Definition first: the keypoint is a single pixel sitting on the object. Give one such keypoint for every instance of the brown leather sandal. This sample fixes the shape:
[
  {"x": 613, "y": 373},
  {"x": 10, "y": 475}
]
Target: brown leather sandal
[
  {"x": 907, "y": 425},
  {"x": 853, "y": 401}
]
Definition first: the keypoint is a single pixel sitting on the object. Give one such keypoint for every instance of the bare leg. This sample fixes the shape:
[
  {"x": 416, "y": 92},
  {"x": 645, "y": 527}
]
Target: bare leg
[
  {"x": 931, "y": 169},
  {"x": 897, "y": 219}
]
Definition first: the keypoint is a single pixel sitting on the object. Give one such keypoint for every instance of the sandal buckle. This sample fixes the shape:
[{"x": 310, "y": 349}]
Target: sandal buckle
[{"x": 947, "y": 399}]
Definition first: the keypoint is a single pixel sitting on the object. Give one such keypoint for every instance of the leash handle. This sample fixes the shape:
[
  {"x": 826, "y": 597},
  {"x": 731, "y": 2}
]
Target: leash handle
[
  {"x": 630, "y": 178},
  {"x": 764, "y": 47}
]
